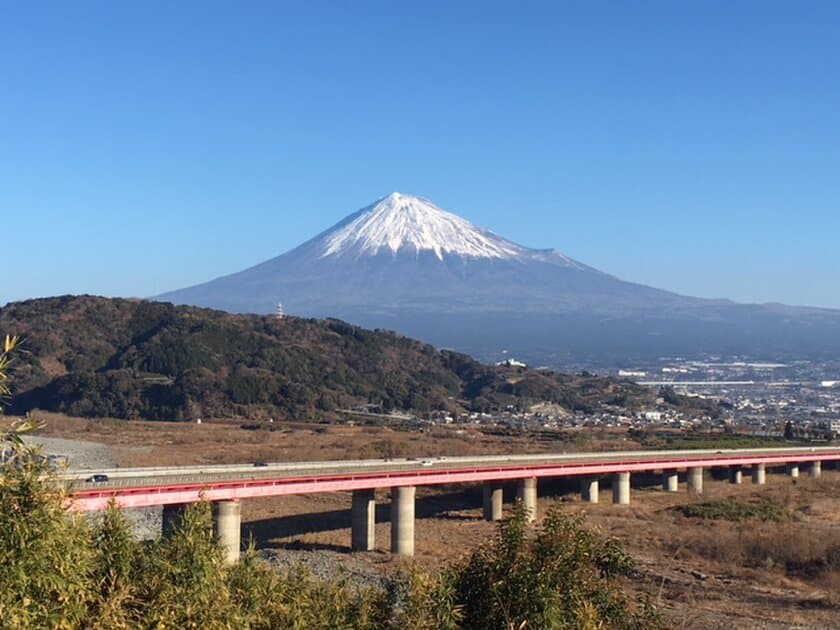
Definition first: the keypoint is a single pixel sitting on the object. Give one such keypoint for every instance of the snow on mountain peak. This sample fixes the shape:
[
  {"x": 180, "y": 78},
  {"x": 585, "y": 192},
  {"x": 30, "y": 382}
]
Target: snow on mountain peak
[{"x": 403, "y": 222}]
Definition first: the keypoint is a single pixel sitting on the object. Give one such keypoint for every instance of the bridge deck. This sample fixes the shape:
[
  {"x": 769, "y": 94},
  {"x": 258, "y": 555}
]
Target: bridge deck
[{"x": 141, "y": 487}]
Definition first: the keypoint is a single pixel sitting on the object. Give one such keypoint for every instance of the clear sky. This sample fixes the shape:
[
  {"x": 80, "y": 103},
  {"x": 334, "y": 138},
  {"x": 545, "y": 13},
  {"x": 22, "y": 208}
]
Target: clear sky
[{"x": 693, "y": 146}]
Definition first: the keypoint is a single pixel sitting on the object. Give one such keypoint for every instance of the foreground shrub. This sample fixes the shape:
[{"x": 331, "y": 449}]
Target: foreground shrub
[
  {"x": 45, "y": 555},
  {"x": 183, "y": 581},
  {"x": 270, "y": 599},
  {"x": 420, "y": 601},
  {"x": 115, "y": 571},
  {"x": 562, "y": 576}
]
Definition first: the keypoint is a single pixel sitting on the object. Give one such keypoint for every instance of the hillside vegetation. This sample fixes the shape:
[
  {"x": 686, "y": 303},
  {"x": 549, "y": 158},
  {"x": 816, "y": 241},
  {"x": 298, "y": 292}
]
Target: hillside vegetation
[{"x": 92, "y": 356}]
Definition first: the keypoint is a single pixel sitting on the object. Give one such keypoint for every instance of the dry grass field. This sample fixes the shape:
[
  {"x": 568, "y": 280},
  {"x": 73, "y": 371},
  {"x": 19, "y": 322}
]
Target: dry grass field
[
  {"x": 140, "y": 443},
  {"x": 779, "y": 567}
]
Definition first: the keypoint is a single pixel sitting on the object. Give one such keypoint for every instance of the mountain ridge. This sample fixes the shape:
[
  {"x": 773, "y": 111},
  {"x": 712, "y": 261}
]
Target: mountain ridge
[{"x": 408, "y": 265}]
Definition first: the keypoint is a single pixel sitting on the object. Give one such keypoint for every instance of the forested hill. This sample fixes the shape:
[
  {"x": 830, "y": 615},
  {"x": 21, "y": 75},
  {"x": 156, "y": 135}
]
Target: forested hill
[{"x": 92, "y": 356}]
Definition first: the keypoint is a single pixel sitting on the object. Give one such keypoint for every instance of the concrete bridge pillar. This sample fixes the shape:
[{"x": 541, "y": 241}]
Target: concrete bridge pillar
[
  {"x": 402, "y": 520},
  {"x": 589, "y": 489},
  {"x": 670, "y": 481},
  {"x": 695, "y": 480},
  {"x": 227, "y": 523},
  {"x": 759, "y": 474},
  {"x": 793, "y": 470},
  {"x": 363, "y": 520},
  {"x": 527, "y": 493},
  {"x": 735, "y": 475},
  {"x": 493, "y": 498},
  {"x": 815, "y": 469},
  {"x": 621, "y": 488},
  {"x": 171, "y": 518}
]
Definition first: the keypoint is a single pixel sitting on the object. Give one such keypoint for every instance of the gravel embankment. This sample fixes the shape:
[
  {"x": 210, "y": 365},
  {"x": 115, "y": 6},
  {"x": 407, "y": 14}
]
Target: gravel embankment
[
  {"x": 326, "y": 565},
  {"x": 81, "y": 455}
]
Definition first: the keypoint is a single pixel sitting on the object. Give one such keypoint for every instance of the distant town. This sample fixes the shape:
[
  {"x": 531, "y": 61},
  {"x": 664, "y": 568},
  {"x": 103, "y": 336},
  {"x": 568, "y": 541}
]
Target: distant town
[
  {"x": 798, "y": 399},
  {"x": 801, "y": 397}
]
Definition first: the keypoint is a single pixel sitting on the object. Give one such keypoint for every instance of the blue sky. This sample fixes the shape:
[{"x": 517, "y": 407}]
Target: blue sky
[{"x": 691, "y": 146}]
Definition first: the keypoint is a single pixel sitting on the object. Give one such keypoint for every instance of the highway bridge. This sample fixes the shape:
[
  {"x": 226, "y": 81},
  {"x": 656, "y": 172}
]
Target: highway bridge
[{"x": 225, "y": 486}]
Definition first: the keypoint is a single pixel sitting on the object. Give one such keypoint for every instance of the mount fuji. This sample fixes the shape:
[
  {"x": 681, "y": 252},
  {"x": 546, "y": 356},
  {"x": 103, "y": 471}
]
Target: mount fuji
[{"x": 405, "y": 264}]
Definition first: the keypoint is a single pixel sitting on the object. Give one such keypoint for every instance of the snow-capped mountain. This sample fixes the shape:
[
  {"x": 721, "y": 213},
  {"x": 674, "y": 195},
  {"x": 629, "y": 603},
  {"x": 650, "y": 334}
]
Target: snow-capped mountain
[
  {"x": 405, "y": 264},
  {"x": 400, "y": 223},
  {"x": 406, "y": 224}
]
